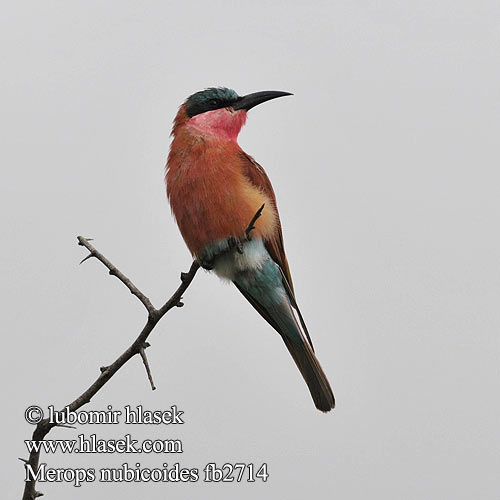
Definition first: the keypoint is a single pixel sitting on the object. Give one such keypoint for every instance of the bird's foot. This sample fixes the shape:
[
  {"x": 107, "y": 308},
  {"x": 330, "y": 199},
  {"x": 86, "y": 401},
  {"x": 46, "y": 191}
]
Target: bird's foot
[
  {"x": 207, "y": 264},
  {"x": 235, "y": 243}
]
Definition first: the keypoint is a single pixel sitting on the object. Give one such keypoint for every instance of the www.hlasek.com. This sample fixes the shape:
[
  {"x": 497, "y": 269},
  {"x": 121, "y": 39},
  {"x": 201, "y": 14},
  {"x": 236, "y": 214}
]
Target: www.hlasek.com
[{"x": 211, "y": 472}]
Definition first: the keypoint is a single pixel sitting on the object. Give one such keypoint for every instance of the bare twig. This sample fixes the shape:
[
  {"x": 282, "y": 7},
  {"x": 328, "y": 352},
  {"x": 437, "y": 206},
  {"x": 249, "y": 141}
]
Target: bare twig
[
  {"x": 113, "y": 271},
  {"x": 251, "y": 226}
]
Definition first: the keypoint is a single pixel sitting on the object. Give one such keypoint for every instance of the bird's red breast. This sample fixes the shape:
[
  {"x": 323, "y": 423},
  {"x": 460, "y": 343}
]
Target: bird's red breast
[{"x": 211, "y": 195}]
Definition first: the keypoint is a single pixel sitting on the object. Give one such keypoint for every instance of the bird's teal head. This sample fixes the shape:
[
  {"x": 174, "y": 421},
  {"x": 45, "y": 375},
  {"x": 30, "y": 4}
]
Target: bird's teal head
[
  {"x": 210, "y": 99},
  {"x": 221, "y": 112}
]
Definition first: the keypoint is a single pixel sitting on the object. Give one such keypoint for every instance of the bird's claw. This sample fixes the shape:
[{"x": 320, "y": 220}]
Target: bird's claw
[{"x": 235, "y": 243}]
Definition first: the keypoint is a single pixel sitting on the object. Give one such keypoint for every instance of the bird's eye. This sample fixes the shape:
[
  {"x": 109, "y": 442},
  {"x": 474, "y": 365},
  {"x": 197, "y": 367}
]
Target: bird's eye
[{"x": 214, "y": 102}]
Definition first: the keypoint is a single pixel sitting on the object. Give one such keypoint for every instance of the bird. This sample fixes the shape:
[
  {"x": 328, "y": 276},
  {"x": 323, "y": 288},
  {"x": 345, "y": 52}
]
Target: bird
[{"x": 226, "y": 210}]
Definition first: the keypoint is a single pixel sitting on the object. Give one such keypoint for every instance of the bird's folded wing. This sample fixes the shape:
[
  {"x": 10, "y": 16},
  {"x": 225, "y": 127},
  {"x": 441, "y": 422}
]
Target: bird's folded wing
[{"x": 258, "y": 177}]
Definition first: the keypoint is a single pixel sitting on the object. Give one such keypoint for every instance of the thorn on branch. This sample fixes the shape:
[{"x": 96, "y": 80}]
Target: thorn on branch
[
  {"x": 142, "y": 352},
  {"x": 26, "y": 462},
  {"x": 180, "y": 304},
  {"x": 103, "y": 368},
  {"x": 184, "y": 277},
  {"x": 90, "y": 255}
]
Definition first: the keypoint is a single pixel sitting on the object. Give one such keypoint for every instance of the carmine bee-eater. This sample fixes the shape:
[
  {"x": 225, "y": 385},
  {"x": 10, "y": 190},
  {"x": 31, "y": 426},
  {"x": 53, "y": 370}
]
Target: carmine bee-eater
[{"x": 215, "y": 191}]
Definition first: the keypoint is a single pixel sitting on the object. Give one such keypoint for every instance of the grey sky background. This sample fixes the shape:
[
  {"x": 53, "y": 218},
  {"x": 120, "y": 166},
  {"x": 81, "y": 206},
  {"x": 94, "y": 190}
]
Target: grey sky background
[{"x": 385, "y": 165}]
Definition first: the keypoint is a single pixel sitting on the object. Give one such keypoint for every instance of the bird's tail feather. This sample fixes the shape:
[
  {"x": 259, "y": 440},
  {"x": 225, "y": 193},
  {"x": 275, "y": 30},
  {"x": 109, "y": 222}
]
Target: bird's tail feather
[
  {"x": 313, "y": 374},
  {"x": 282, "y": 319}
]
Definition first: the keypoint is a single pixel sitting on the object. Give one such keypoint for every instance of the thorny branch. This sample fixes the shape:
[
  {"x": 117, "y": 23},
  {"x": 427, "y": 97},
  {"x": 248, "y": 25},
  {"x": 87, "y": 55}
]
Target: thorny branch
[{"x": 138, "y": 346}]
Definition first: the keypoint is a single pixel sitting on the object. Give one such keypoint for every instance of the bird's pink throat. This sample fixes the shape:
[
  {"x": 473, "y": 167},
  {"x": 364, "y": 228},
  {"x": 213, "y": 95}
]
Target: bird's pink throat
[{"x": 223, "y": 123}]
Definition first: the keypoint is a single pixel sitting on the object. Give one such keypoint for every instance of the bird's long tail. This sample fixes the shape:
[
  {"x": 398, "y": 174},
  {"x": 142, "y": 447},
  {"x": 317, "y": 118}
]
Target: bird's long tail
[
  {"x": 313, "y": 374},
  {"x": 267, "y": 293}
]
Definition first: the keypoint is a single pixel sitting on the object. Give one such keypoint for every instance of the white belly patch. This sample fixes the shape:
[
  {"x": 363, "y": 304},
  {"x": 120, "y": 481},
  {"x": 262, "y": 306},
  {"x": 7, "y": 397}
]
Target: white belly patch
[{"x": 230, "y": 264}]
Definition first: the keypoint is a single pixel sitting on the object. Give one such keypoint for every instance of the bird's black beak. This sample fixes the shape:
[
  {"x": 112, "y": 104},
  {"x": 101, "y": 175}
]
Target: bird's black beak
[{"x": 251, "y": 100}]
